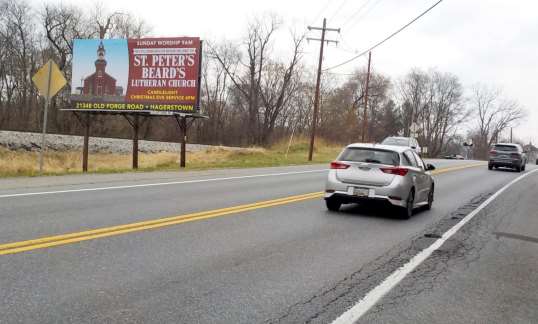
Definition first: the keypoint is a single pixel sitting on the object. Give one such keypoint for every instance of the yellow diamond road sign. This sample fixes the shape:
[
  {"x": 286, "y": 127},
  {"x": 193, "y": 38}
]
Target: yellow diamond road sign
[{"x": 49, "y": 80}]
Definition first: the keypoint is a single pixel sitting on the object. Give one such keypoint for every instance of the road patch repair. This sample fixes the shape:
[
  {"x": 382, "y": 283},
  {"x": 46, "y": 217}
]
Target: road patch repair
[{"x": 57, "y": 240}]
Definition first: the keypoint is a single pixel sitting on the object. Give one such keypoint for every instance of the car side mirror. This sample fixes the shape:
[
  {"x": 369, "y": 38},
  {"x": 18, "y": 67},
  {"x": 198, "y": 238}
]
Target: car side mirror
[
  {"x": 430, "y": 167},
  {"x": 414, "y": 147}
]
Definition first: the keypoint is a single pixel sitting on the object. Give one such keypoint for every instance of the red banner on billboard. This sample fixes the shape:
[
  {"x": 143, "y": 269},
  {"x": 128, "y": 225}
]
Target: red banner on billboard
[{"x": 162, "y": 74}]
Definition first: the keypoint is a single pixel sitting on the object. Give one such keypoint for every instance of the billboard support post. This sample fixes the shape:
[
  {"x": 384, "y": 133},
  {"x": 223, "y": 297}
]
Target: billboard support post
[
  {"x": 183, "y": 142},
  {"x": 86, "y": 147},
  {"x": 85, "y": 122},
  {"x": 183, "y": 126},
  {"x": 135, "y": 142},
  {"x": 135, "y": 124}
]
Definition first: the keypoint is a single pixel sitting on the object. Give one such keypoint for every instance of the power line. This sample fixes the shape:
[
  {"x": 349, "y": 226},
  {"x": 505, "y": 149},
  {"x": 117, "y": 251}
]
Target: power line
[
  {"x": 343, "y": 45},
  {"x": 372, "y": 7},
  {"x": 386, "y": 39},
  {"x": 355, "y": 13},
  {"x": 321, "y": 11},
  {"x": 338, "y": 9},
  {"x": 359, "y": 17}
]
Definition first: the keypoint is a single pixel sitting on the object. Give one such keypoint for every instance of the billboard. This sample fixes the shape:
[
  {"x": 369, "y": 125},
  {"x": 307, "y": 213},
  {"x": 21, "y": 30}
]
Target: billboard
[{"x": 158, "y": 75}]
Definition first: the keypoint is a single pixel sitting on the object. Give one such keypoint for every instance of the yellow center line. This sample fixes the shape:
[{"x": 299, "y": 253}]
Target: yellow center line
[
  {"x": 459, "y": 167},
  {"x": 56, "y": 240}
]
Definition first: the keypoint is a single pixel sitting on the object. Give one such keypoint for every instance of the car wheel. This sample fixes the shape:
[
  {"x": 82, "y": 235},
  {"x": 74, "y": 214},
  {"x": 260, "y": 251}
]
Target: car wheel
[
  {"x": 518, "y": 168},
  {"x": 523, "y": 167},
  {"x": 490, "y": 166},
  {"x": 333, "y": 205},
  {"x": 430, "y": 198},
  {"x": 407, "y": 211}
]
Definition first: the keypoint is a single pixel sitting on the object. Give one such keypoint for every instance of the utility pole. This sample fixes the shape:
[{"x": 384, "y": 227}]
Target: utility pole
[
  {"x": 511, "y": 135},
  {"x": 322, "y": 40},
  {"x": 365, "y": 117}
]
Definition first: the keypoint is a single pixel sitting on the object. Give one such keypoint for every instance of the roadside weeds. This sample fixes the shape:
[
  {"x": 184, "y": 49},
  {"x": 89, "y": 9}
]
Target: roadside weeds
[{"x": 15, "y": 163}]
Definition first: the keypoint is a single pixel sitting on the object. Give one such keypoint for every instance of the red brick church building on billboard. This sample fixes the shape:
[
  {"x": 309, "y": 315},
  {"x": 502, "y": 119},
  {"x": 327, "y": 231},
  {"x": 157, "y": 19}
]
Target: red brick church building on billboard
[{"x": 100, "y": 83}]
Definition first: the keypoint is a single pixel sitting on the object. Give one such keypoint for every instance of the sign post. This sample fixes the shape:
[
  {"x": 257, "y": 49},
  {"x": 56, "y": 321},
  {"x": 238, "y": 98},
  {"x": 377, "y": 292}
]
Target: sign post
[{"x": 48, "y": 80}]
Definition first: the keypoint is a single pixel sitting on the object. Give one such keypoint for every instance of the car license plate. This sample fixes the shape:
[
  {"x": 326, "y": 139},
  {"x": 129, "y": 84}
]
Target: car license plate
[{"x": 361, "y": 192}]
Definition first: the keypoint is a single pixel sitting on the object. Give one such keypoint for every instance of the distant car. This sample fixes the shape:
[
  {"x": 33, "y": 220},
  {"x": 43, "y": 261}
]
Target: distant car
[
  {"x": 373, "y": 172},
  {"x": 403, "y": 141},
  {"x": 454, "y": 157},
  {"x": 507, "y": 155}
]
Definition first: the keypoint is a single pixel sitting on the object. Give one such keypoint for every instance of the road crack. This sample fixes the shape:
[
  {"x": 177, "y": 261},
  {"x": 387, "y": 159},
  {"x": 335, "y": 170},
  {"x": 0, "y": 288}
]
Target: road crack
[{"x": 343, "y": 294}]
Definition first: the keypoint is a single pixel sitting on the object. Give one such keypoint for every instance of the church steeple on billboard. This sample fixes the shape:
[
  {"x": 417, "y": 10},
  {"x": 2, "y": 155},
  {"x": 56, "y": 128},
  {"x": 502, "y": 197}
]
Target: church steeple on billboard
[{"x": 100, "y": 83}]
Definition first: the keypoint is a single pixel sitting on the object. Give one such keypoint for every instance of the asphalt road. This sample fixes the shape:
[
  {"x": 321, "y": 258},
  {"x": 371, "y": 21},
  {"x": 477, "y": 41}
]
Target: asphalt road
[
  {"x": 487, "y": 273},
  {"x": 286, "y": 262}
]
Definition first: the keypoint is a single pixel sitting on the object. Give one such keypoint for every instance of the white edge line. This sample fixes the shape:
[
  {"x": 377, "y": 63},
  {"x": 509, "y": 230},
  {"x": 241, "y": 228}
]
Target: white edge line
[
  {"x": 156, "y": 184},
  {"x": 24, "y": 194},
  {"x": 373, "y": 296}
]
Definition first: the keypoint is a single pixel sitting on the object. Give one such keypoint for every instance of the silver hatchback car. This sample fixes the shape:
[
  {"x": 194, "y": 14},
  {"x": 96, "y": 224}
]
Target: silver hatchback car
[{"x": 373, "y": 172}]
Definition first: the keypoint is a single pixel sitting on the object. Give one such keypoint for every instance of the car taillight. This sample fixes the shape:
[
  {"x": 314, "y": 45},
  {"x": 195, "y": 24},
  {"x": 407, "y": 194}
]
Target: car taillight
[
  {"x": 515, "y": 155},
  {"x": 339, "y": 165},
  {"x": 396, "y": 171},
  {"x": 492, "y": 152}
]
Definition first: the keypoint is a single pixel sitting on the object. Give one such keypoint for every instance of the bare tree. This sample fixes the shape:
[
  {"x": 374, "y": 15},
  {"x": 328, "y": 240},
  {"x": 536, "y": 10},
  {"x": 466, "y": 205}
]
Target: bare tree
[
  {"x": 103, "y": 20},
  {"x": 494, "y": 113},
  {"x": 216, "y": 92},
  {"x": 125, "y": 25},
  {"x": 116, "y": 24},
  {"x": 62, "y": 24},
  {"x": 297, "y": 115},
  {"x": 279, "y": 84},
  {"x": 248, "y": 79},
  {"x": 442, "y": 112},
  {"x": 18, "y": 38},
  {"x": 433, "y": 102},
  {"x": 412, "y": 90}
]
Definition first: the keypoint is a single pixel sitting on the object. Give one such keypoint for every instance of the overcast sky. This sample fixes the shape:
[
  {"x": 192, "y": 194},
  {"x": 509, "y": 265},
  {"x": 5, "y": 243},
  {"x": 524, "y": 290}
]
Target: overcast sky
[{"x": 489, "y": 41}]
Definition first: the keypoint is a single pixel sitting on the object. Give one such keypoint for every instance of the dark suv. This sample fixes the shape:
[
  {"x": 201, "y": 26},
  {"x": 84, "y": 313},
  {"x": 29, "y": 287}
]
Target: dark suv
[{"x": 507, "y": 155}]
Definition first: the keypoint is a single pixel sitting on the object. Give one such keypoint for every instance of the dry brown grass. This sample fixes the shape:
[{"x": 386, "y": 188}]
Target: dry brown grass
[
  {"x": 24, "y": 163},
  {"x": 17, "y": 163}
]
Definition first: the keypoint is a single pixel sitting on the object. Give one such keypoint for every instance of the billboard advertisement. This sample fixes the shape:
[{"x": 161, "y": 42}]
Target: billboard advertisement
[{"x": 158, "y": 75}]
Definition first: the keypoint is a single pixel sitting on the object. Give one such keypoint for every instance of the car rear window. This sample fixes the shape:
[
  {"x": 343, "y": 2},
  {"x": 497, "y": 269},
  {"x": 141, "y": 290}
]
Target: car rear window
[
  {"x": 368, "y": 155},
  {"x": 396, "y": 141},
  {"x": 506, "y": 148}
]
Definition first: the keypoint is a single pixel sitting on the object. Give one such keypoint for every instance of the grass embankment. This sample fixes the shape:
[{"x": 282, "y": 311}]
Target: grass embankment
[{"x": 24, "y": 163}]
